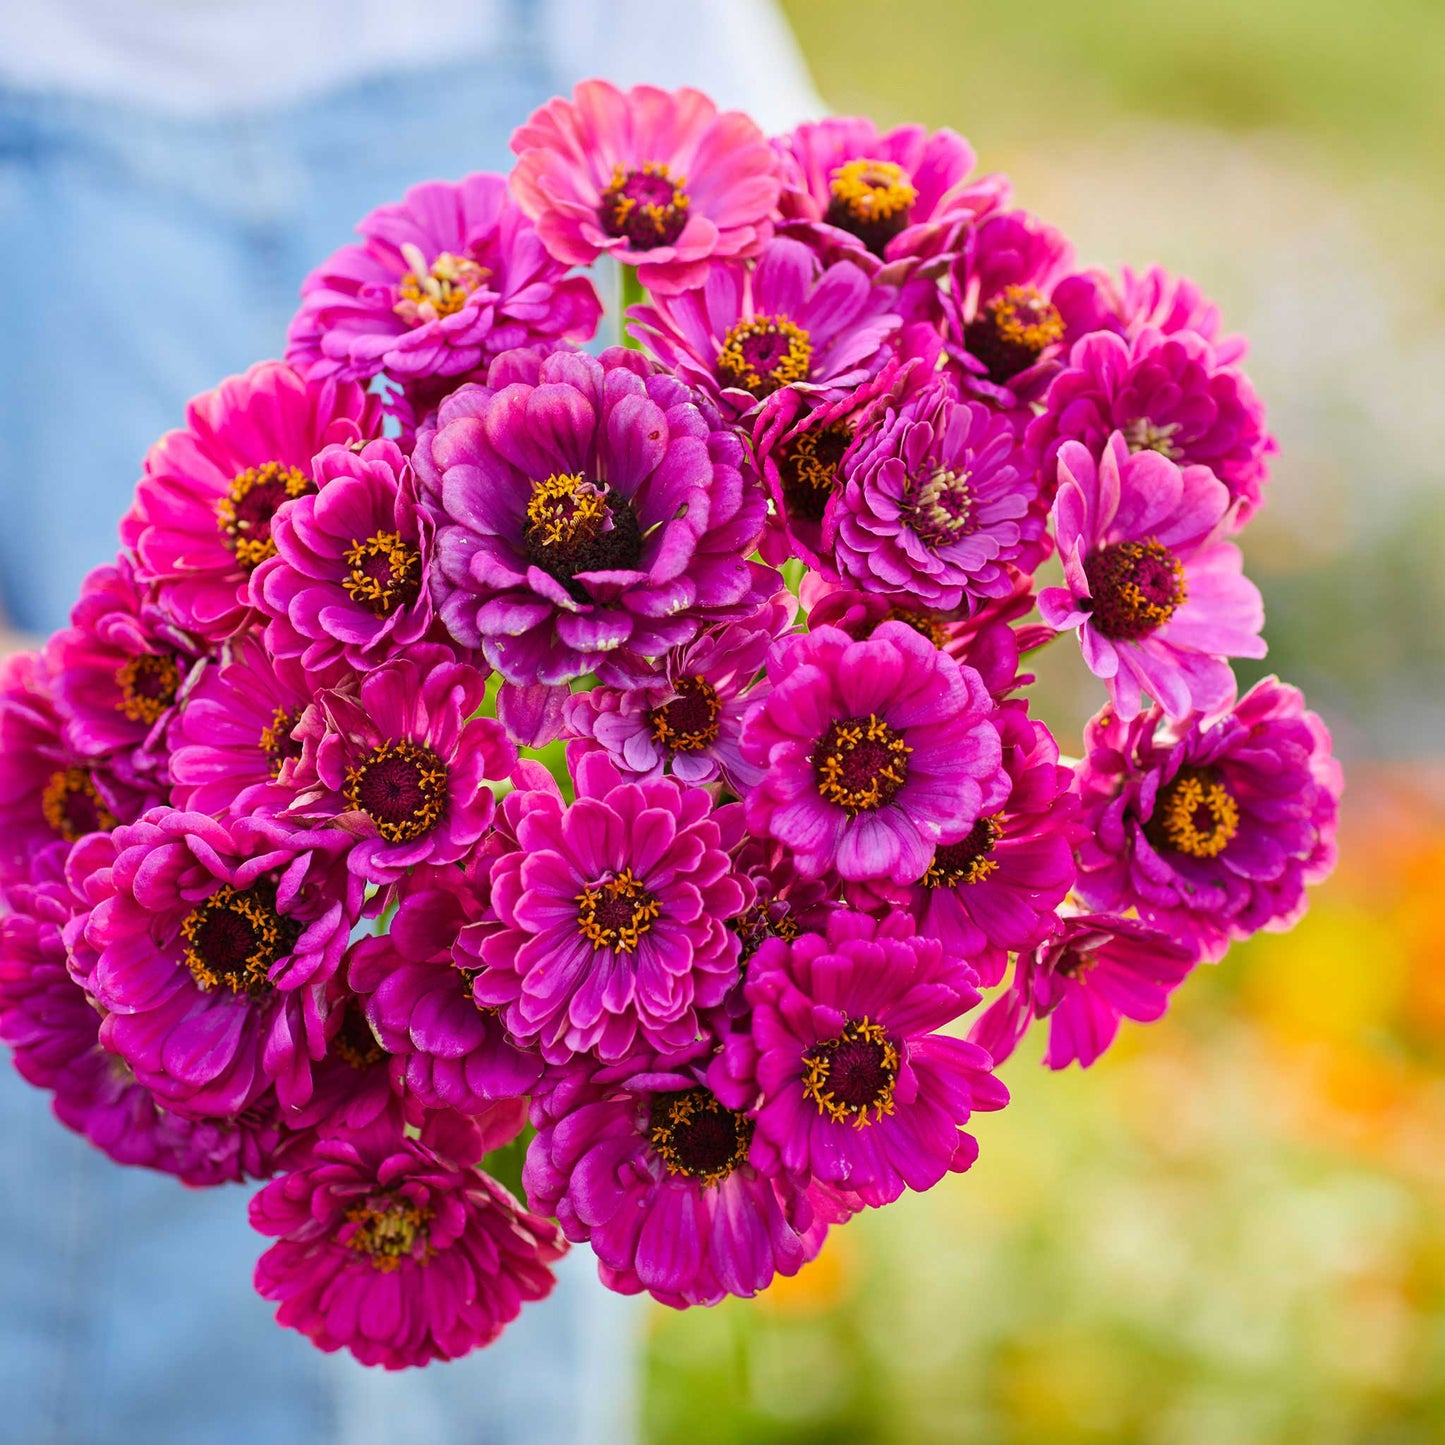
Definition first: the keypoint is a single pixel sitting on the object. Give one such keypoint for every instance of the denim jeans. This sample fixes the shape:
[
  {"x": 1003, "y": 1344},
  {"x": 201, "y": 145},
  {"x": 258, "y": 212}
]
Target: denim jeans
[{"x": 146, "y": 258}]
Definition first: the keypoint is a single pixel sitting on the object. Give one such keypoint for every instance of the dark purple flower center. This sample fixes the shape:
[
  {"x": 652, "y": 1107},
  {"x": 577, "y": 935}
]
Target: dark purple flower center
[
  {"x": 860, "y": 764},
  {"x": 401, "y": 787},
  {"x": 73, "y": 806},
  {"x": 276, "y": 740},
  {"x": 967, "y": 861},
  {"x": 1143, "y": 436},
  {"x": 575, "y": 526},
  {"x": 688, "y": 723},
  {"x": 148, "y": 686},
  {"x": 696, "y": 1137},
  {"x": 940, "y": 508},
  {"x": 1194, "y": 814},
  {"x": 767, "y": 918},
  {"x": 1134, "y": 588},
  {"x": 808, "y": 469},
  {"x": 645, "y": 206},
  {"x": 246, "y": 511},
  {"x": 763, "y": 354},
  {"x": 853, "y": 1073},
  {"x": 388, "y": 1229},
  {"x": 1012, "y": 330},
  {"x": 385, "y": 573},
  {"x": 235, "y": 937},
  {"x": 872, "y": 200},
  {"x": 615, "y": 912}
]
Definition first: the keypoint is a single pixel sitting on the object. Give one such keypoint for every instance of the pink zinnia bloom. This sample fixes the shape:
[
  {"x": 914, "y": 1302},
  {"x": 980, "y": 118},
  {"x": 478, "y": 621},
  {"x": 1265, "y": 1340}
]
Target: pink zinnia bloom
[
  {"x": 876, "y": 752},
  {"x": 201, "y": 520},
  {"x": 401, "y": 766},
  {"x": 1158, "y": 598},
  {"x": 1097, "y": 969},
  {"x": 213, "y": 949},
  {"x": 614, "y": 915},
  {"x": 348, "y": 580},
  {"x": 901, "y": 195},
  {"x": 398, "y": 1252},
  {"x": 661, "y": 181},
  {"x": 790, "y": 321},
  {"x": 843, "y": 1069},
  {"x": 684, "y": 713},
  {"x": 643, "y": 1162},
  {"x": 938, "y": 503},
  {"x": 232, "y": 749},
  {"x": 1210, "y": 829},
  {"x": 443, "y": 280},
  {"x": 1164, "y": 393},
  {"x": 416, "y": 986}
]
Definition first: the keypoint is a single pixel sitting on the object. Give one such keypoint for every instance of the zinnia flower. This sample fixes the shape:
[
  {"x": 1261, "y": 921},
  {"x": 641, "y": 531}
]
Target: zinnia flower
[
  {"x": 938, "y": 501},
  {"x": 201, "y": 520},
  {"x": 614, "y": 916},
  {"x": 876, "y": 752},
  {"x": 1164, "y": 393},
  {"x": 1158, "y": 599},
  {"x": 1096, "y": 970},
  {"x": 660, "y": 180},
  {"x": 594, "y": 508},
  {"x": 400, "y": 767},
  {"x": 212, "y": 949},
  {"x": 349, "y": 576},
  {"x": 444, "y": 279},
  {"x": 843, "y": 1069},
  {"x": 389, "y": 1249},
  {"x": 1210, "y": 829},
  {"x": 649, "y": 1167}
]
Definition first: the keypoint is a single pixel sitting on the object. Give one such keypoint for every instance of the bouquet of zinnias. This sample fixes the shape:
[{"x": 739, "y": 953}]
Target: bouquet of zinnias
[{"x": 444, "y": 758}]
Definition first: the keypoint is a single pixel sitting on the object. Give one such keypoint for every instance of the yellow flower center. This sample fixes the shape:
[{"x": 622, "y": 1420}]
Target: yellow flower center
[
  {"x": 1195, "y": 814},
  {"x": 763, "y": 354},
  {"x": 860, "y": 764},
  {"x": 427, "y": 293},
  {"x": 616, "y": 912},
  {"x": 849, "y": 1075},
  {"x": 385, "y": 572}
]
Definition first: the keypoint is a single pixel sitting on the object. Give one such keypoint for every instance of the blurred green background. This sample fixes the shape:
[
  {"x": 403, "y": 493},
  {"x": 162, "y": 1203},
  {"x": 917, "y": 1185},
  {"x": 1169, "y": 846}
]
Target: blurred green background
[{"x": 1231, "y": 1229}]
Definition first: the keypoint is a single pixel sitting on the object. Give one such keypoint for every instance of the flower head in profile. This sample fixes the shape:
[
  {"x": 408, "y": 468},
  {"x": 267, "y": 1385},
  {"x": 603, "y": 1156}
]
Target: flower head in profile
[
  {"x": 1096, "y": 970},
  {"x": 592, "y": 507},
  {"x": 1159, "y": 600},
  {"x": 392, "y": 1249},
  {"x": 790, "y": 321},
  {"x": 843, "y": 1070},
  {"x": 201, "y": 520},
  {"x": 441, "y": 281},
  {"x": 660, "y": 180},
  {"x": 938, "y": 504},
  {"x": 875, "y": 753},
  {"x": 614, "y": 915},
  {"x": 642, "y": 1161},
  {"x": 1210, "y": 829}
]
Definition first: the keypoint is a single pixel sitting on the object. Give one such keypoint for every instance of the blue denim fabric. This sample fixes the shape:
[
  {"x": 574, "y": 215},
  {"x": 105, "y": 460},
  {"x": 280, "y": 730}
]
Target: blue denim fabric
[{"x": 145, "y": 259}]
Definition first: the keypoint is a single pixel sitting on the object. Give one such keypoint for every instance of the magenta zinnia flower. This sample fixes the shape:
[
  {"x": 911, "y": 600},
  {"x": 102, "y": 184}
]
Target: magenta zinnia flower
[
  {"x": 790, "y": 321},
  {"x": 660, "y": 180},
  {"x": 684, "y": 714},
  {"x": 1096, "y": 970},
  {"x": 201, "y": 520},
  {"x": 843, "y": 1069},
  {"x": 1158, "y": 599},
  {"x": 646, "y": 1164},
  {"x": 401, "y": 765},
  {"x": 213, "y": 946},
  {"x": 903, "y": 194},
  {"x": 1164, "y": 393},
  {"x": 938, "y": 502},
  {"x": 1211, "y": 830},
  {"x": 876, "y": 752},
  {"x": 349, "y": 576},
  {"x": 614, "y": 916},
  {"x": 597, "y": 507},
  {"x": 390, "y": 1250},
  {"x": 444, "y": 279}
]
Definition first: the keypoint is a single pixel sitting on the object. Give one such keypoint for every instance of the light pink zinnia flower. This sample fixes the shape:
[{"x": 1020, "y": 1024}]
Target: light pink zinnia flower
[{"x": 662, "y": 181}]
